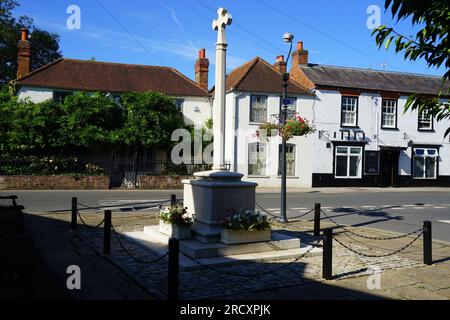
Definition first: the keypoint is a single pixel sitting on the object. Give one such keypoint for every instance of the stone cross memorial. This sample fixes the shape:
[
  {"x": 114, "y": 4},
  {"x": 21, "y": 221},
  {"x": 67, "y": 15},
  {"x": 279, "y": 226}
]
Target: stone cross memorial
[
  {"x": 220, "y": 25},
  {"x": 212, "y": 194}
]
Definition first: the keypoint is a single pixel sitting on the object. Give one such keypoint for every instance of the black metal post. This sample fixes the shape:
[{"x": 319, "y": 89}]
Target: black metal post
[
  {"x": 327, "y": 261},
  {"x": 174, "y": 269},
  {"x": 283, "y": 119},
  {"x": 173, "y": 199},
  {"x": 74, "y": 222},
  {"x": 427, "y": 244},
  {"x": 317, "y": 220},
  {"x": 107, "y": 233}
]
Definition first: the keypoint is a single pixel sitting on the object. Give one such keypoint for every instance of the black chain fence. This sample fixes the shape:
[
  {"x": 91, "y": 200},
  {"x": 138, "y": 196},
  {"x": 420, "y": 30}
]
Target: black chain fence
[
  {"x": 222, "y": 272},
  {"x": 119, "y": 238}
]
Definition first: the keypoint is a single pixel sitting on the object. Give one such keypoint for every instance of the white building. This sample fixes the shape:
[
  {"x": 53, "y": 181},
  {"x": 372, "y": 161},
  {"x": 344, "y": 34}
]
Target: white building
[
  {"x": 362, "y": 138},
  {"x": 64, "y": 76}
]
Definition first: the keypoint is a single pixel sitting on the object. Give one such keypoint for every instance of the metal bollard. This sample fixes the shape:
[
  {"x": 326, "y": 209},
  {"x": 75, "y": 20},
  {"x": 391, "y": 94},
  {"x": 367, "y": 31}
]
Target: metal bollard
[
  {"x": 107, "y": 233},
  {"x": 174, "y": 269},
  {"x": 173, "y": 199},
  {"x": 73, "y": 225},
  {"x": 327, "y": 261},
  {"x": 427, "y": 244},
  {"x": 317, "y": 220}
]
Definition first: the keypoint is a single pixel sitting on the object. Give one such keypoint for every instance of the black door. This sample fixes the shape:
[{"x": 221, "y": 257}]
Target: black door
[{"x": 389, "y": 167}]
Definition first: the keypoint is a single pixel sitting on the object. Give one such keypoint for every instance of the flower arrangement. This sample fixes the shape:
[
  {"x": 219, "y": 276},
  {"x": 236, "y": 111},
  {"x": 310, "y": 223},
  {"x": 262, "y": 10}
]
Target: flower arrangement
[
  {"x": 268, "y": 129},
  {"x": 176, "y": 214},
  {"x": 297, "y": 126},
  {"x": 246, "y": 220}
]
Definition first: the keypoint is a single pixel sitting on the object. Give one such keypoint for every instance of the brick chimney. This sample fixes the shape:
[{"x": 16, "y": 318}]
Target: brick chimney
[
  {"x": 300, "y": 56},
  {"x": 280, "y": 65},
  {"x": 24, "y": 60},
  {"x": 202, "y": 69}
]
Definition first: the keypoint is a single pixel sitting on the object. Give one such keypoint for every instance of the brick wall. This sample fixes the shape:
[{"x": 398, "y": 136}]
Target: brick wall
[
  {"x": 54, "y": 182},
  {"x": 162, "y": 182}
]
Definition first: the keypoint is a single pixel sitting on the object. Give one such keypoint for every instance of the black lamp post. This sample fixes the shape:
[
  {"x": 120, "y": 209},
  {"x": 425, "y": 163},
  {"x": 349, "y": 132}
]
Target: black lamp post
[{"x": 287, "y": 37}]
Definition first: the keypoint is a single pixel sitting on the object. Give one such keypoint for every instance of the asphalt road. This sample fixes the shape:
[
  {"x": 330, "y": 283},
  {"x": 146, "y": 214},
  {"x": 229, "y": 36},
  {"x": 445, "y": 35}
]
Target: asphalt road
[{"x": 394, "y": 210}]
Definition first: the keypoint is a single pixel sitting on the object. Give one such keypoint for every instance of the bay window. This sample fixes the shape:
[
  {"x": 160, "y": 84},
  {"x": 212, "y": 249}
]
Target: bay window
[
  {"x": 425, "y": 162},
  {"x": 348, "y": 162}
]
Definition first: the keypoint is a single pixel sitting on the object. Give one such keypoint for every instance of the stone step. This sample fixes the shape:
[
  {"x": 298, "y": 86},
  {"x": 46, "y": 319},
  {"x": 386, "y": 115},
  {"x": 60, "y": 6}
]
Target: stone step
[{"x": 282, "y": 247}]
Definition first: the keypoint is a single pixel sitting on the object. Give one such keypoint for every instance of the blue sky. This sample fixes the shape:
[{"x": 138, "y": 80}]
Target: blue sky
[{"x": 170, "y": 32}]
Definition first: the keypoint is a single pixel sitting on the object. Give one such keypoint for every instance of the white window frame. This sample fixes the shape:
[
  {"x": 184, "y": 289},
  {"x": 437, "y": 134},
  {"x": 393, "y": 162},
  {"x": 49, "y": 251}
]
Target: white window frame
[
  {"x": 428, "y": 153},
  {"x": 389, "y": 111},
  {"x": 294, "y": 165},
  {"x": 348, "y": 154},
  {"x": 260, "y": 156},
  {"x": 258, "y": 111},
  {"x": 425, "y": 118},
  {"x": 349, "y": 107}
]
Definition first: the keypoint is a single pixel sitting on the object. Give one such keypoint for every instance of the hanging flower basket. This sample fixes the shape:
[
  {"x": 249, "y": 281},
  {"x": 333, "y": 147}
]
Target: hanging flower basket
[
  {"x": 267, "y": 129},
  {"x": 297, "y": 127}
]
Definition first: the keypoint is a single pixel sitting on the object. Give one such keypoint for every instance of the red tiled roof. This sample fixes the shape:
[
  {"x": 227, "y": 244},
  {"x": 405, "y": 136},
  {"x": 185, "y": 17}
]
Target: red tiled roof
[
  {"x": 111, "y": 77},
  {"x": 258, "y": 75}
]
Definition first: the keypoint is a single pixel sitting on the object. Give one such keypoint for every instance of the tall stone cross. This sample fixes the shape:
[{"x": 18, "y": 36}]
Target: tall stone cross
[{"x": 219, "y": 25}]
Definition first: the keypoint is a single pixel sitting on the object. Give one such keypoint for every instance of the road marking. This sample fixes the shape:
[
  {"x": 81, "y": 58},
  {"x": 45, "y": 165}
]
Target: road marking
[
  {"x": 298, "y": 208},
  {"x": 398, "y": 208},
  {"x": 444, "y": 221},
  {"x": 273, "y": 209},
  {"x": 367, "y": 206},
  {"x": 439, "y": 207}
]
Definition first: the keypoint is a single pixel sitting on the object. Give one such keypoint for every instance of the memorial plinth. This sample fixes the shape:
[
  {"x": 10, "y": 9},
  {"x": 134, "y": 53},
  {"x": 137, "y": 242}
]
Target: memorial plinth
[{"x": 211, "y": 196}]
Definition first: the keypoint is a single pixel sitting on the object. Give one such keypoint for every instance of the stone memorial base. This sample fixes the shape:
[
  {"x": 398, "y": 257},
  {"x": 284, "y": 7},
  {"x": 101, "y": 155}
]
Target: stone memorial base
[
  {"x": 212, "y": 196},
  {"x": 280, "y": 247}
]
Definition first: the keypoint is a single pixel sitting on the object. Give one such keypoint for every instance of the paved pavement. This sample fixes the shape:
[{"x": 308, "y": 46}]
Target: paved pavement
[
  {"x": 397, "y": 209},
  {"x": 119, "y": 276}
]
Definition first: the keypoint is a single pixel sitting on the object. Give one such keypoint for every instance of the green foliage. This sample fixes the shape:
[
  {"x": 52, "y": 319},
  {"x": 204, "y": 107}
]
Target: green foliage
[
  {"x": 32, "y": 165},
  {"x": 176, "y": 214},
  {"x": 86, "y": 120},
  {"x": 90, "y": 119},
  {"x": 44, "y": 45},
  {"x": 246, "y": 220},
  {"x": 431, "y": 43},
  {"x": 151, "y": 119},
  {"x": 209, "y": 124},
  {"x": 28, "y": 126}
]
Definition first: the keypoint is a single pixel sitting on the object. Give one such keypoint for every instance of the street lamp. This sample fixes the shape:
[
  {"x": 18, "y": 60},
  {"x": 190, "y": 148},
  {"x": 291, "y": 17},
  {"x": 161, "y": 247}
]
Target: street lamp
[{"x": 287, "y": 37}]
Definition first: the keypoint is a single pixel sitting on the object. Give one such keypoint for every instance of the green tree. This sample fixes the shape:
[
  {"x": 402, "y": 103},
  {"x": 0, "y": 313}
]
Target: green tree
[
  {"x": 31, "y": 127},
  {"x": 430, "y": 43},
  {"x": 88, "y": 119},
  {"x": 150, "y": 120},
  {"x": 44, "y": 45}
]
